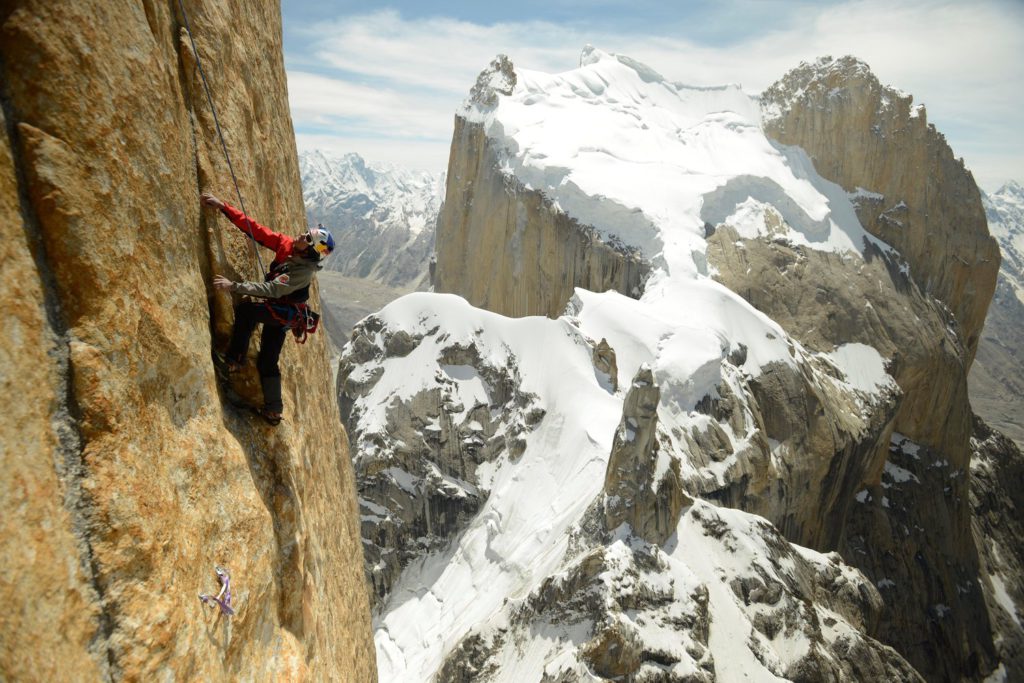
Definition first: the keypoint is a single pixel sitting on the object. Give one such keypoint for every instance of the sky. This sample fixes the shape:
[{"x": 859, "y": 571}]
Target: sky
[{"x": 384, "y": 79}]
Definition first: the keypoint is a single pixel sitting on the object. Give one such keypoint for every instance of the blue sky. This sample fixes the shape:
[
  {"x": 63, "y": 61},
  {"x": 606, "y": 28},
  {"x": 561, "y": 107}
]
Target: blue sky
[{"x": 384, "y": 78}]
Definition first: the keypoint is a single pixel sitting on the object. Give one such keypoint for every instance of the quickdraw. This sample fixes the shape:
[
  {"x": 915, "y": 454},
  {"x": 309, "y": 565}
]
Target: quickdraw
[
  {"x": 299, "y": 318},
  {"x": 222, "y": 599}
]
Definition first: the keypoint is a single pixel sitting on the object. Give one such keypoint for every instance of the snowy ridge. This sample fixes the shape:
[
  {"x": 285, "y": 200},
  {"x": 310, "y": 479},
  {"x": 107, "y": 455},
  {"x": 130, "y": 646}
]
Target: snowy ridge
[
  {"x": 653, "y": 163},
  {"x": 649, "y": 591},
  {"x": 667, "y": 159},
  {"x": 537, "y": 503},
  {"x": 1005, "y": 212},
  {"x": 521, "y": 533}
]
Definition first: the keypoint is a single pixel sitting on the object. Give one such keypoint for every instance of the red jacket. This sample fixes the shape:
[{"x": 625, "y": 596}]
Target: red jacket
[
  {"x": 290, "y": 273},
  {"x": 282, "y": 245}
]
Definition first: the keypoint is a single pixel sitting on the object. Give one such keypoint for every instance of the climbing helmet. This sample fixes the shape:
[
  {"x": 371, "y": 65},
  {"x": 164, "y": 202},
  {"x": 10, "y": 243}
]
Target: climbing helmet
[{"x": 321, "y": 239}]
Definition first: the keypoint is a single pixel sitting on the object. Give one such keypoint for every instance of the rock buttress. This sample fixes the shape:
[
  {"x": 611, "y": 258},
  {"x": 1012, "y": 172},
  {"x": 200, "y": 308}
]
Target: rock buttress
[
  {"x": 910, "y": 526},
  {"x": 126, "y": 476},
  {"x": 919, "y": 198},
  {"x": 509, "y": 249}
]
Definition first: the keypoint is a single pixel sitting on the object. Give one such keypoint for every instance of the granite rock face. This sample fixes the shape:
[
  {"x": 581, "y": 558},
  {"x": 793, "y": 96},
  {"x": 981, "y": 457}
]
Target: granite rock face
[
  {"x": 509, "y": 249},
  {"x": 913, "y": 193},
  {"x": 925, "y": 315},
  {"x": 43, "y": 553},
  {"x": 633, "y": 493},
  {"x": 127, "y": 476},
  {"x": 824, "y": 301}
]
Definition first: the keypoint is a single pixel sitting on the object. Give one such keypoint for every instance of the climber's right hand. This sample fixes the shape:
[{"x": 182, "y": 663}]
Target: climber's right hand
[{"x": 209, "y": 200}]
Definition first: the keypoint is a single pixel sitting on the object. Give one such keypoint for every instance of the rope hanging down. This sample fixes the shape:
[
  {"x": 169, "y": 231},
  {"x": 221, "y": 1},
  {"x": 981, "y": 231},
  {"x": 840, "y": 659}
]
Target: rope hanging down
[{"x": 220, "y": 134}]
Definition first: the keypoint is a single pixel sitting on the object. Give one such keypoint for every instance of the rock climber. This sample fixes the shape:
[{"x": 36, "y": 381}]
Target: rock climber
[{"x": 281, "y": 305}]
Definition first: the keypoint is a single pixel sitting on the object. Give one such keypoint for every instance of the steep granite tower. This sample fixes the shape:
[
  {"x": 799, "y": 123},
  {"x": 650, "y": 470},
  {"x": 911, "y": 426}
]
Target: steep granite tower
[
  {"x": 911, "y": 192},
  {"x": 507, "y": 247},
  {"x": 126, "y": 476},
  {"x": 916, "y": 195}
]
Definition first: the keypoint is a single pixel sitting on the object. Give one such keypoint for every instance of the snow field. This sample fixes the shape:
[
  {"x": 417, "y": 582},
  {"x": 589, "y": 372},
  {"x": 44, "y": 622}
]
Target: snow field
[{"x": 520, "y": 535}]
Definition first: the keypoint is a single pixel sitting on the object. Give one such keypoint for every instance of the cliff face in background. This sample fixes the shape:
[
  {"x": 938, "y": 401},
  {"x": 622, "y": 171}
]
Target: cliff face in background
[
  {"x": 910, "y": 191},
  {"x": 919, "y": 197},
  {"x": 126, "y": 476},
  {"x": 509, "y": 249}
]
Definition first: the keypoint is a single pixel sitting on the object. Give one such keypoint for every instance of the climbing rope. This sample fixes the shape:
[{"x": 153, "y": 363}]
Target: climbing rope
[{"x": 220, "y": 134}]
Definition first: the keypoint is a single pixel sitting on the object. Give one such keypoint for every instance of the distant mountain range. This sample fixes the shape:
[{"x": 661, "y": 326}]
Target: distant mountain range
[
  {"x": 997, "y": 377},
  {"x": 1005, "y": 211},
  {"x": 383, "y": 218}
]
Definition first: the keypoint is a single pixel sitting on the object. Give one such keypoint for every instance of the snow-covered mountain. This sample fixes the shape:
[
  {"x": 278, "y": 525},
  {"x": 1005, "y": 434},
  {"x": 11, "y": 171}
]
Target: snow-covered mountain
[
  {"x": 383, "y": 218},
  {"x": 997, "y": 378},
  {"x": 627, "y": 491},
  {"x": 1005, "y": 211}
]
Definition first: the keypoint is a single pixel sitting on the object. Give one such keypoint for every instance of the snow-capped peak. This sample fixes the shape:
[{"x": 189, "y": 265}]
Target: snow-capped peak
[
  {"x": 617, "y": 147},
  {"x": 344, "y": 183},
  {"x": 651, "y": 161},
  {"x": 1005, "y": 212},
  {"x": 1011, "y": 191}
]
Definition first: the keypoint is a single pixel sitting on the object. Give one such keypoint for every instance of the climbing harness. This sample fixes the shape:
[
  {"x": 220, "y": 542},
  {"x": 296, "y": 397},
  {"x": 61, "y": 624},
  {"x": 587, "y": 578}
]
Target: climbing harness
[
  {"x": 220, "y": 134},
  {"x": 299, "y": 318},
  {"x": 222, "y": 599}
]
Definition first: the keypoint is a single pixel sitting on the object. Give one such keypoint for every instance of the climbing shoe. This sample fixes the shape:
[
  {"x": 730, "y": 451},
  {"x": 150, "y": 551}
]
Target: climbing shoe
[
  {"x": 225, "y": 366},
  {"x": 271, "y": 418}
]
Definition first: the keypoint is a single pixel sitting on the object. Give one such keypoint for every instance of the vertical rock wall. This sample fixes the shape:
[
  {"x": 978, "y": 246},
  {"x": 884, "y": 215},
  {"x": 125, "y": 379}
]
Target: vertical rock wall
[
  {"x": 127, "y": 477},
  {"x": 508, "y": 249},
  {"x": 912, "y": 530},
  {"x": 997, "y": 497},
  {"x": 920, "y": 198}
]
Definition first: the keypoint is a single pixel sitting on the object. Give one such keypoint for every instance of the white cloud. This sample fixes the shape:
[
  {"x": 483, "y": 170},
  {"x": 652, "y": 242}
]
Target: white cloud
[
  {"x": 962, "y": 60},
  {"x": 439, "y": 54},
  {"x": 320, "y": 101}
]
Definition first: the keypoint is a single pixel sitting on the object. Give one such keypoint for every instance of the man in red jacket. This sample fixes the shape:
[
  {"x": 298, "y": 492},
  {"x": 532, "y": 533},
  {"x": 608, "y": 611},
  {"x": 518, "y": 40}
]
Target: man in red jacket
[{"x": 296, "y": 261}]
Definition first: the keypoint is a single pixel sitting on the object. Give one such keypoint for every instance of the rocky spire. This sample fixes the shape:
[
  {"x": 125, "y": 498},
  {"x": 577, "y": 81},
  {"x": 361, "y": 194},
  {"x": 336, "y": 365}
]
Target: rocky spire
[{"x": 635, "y": 494}]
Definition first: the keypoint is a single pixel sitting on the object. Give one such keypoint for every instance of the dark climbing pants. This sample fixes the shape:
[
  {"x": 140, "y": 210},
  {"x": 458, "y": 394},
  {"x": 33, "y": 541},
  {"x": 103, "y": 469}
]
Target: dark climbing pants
[{"x": 248, "y": 315}]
